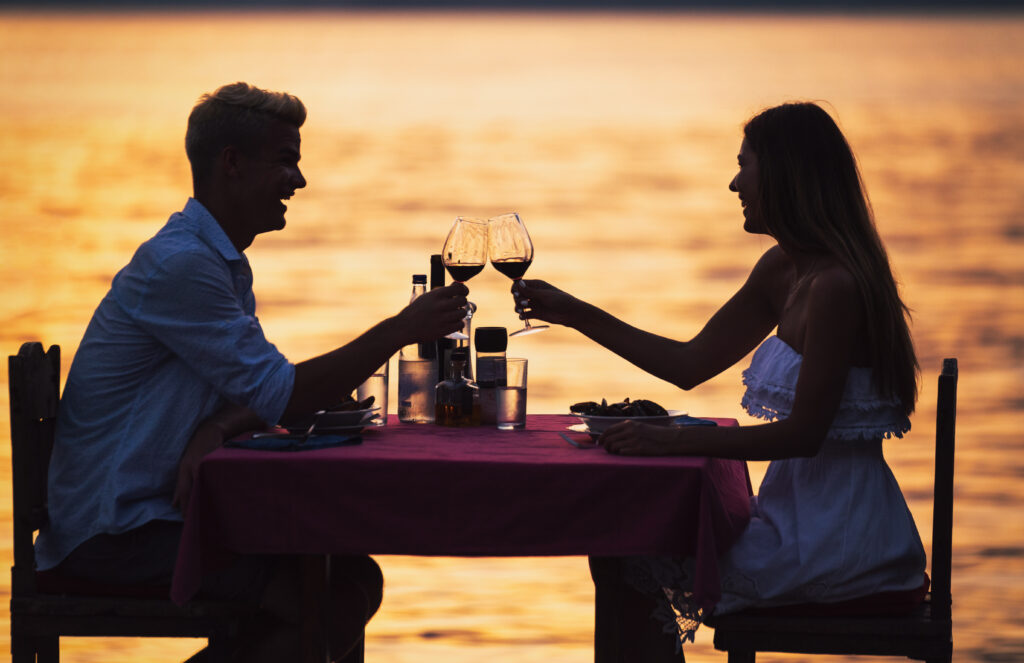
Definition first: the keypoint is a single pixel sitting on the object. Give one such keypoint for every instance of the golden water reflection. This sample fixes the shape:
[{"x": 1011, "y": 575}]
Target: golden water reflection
[{"x": 614, "y": 136}]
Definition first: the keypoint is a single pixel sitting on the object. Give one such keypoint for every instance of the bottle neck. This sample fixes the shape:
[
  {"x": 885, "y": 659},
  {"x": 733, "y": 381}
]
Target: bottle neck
[{"x": 455, "y": 370}]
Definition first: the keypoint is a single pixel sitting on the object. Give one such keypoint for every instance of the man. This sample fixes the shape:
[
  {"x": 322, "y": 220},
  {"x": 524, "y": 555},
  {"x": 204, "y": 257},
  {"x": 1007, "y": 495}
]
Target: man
[{"x": 174, "y": 362}]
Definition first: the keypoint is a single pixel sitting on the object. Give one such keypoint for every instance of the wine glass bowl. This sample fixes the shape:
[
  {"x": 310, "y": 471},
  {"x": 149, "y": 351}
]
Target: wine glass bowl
[
  {"x": 511, "y": 253},
  {"x": 464, "y": 253}
]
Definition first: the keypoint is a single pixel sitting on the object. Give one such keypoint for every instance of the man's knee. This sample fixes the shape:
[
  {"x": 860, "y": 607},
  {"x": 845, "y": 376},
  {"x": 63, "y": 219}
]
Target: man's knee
[{"x": 362, "y": 572}]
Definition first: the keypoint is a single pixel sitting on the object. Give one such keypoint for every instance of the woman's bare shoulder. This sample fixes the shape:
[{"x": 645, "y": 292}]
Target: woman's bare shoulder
[
  {"x": 772, "y": 264},
  {"x": 834, "y": 282},
  {"x": 834, "y": 300}
]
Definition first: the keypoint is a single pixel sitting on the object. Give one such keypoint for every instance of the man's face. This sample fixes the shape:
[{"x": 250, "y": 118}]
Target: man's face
[{"x": 269, "y": 177}]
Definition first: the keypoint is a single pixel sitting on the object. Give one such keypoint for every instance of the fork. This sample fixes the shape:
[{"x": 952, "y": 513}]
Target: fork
[
  {"x": 577, "y": 444},
  {"x": 301, "y": 437}
]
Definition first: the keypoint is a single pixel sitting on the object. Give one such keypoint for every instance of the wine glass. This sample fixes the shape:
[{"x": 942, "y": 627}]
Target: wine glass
[
  {"x": 465, "y": 253},
  {"x": 511, "y": 253}
]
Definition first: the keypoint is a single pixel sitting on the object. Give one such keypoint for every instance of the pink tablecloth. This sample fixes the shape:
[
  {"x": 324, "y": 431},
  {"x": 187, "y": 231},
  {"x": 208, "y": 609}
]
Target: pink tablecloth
[{"x": 427, "y": 490}]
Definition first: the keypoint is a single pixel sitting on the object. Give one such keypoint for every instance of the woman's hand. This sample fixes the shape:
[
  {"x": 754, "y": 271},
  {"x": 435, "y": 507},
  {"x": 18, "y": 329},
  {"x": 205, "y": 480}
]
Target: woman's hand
[
  {"x": 630, "y": 438},
  {"x": 539, "y": 300}
]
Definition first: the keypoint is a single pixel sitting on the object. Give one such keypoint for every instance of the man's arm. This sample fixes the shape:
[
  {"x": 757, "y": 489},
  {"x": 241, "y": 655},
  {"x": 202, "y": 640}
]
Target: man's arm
[
  {"x": 323, "y": 381},
  {"x": 211, "y": 433}
]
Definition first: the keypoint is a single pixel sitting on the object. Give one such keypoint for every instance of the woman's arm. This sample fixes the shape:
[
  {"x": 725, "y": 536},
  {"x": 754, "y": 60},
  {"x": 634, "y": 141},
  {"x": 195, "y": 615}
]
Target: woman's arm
[
  {"x": 733, "y": 331},
  {"x": 832, "y": 331}
]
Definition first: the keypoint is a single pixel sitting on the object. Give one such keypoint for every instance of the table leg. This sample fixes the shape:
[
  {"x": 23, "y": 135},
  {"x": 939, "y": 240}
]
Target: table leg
[{"x": 315, "y": 599}]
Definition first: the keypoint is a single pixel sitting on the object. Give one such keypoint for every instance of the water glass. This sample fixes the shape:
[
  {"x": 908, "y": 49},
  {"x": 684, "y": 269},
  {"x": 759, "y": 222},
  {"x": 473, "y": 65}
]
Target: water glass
[
  {"x": 511, "y": 396},
  {"x": 377, "y": 386}
]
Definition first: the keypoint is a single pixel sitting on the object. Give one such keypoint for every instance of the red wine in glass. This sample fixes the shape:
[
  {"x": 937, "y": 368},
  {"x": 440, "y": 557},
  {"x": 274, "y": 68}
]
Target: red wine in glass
[
  {"x": 463, "y": 273},
  {"x": 464, "y": 253},
  {"x": 511, "y": 252},
  {"x": 514, "y": 269}
]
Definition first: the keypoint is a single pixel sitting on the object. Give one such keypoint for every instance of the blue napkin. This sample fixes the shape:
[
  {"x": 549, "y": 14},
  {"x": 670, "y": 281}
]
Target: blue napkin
[
  {"x": 687, "y": 420},
  {"x": 294, "y": 442}
]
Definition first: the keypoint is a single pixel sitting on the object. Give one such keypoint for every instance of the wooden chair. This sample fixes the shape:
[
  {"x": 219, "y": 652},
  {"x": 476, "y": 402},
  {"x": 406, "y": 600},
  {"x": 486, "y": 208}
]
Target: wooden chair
[
  {"x": 42, "y": 612},
  {"x": 925, "y": 634}
]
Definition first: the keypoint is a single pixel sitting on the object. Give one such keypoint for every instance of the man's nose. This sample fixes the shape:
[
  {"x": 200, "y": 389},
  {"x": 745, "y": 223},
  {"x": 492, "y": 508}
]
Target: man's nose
[
  {"x": 298, "y": 181},
  {"x": 732, "y": 185}
]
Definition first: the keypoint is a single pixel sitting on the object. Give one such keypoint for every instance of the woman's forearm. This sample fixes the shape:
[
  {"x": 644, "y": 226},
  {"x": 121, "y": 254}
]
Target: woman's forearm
[{"x": 660, "y": 356}]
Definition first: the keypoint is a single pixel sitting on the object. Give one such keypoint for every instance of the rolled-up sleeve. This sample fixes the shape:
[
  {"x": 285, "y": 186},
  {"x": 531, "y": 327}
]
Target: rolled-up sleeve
[{"x": 193, "y": 303}]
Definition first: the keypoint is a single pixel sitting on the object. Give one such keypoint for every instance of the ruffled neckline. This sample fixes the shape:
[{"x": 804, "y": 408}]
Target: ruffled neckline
[{"x": 863, "y": 413}]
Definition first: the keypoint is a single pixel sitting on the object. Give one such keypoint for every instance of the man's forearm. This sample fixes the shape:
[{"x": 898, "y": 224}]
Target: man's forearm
[{"x": 323, "y": 381}]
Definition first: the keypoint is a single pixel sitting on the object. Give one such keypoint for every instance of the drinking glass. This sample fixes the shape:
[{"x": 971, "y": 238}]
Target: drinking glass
[
  {"x": 464, "y": 253},
  {"x": 377, "y": 386},
  {"x": 510, "y": 397},
  {"x": 511, "y": 253}
]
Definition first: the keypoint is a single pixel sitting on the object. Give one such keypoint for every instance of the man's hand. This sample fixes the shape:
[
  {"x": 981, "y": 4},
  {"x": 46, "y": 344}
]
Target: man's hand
[
  {"x": 434, "y": 314},
  {"x": 207, "y": 438}
]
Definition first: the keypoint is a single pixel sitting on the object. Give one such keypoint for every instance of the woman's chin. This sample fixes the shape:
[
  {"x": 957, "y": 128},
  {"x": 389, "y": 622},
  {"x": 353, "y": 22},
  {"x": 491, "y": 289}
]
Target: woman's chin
[{"x": 753, "y": 225}]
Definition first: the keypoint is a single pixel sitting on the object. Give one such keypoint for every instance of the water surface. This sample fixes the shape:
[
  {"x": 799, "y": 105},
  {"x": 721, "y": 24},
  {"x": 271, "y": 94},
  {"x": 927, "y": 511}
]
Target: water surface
[{"x": 614, "y": 135}]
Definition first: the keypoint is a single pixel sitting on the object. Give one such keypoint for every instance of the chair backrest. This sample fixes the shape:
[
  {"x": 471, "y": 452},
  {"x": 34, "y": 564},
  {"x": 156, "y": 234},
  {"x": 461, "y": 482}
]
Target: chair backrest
[
  {"x": 942, "y": 515},
  {"x": 34, "y": 383}
]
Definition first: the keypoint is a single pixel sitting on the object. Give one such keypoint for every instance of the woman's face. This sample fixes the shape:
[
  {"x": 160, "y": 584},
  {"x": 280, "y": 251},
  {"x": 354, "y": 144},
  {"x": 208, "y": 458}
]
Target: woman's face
[{"x": 747, "y": 184}]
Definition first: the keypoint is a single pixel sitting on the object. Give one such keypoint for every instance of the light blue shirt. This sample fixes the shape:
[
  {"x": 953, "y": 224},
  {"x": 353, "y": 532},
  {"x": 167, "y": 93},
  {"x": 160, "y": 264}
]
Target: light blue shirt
[{"x": 175, "y": 339}]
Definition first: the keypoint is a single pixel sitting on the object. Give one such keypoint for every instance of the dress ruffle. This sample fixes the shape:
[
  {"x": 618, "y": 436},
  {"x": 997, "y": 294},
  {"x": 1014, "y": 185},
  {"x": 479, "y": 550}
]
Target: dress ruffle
[
  {"x": 669, "y": 581},
  {"x": 863, "y": 414}
]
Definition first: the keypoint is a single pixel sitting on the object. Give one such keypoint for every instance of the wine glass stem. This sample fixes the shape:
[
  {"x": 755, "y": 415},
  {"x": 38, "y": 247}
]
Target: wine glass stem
[{"x": 526, "y": 321}]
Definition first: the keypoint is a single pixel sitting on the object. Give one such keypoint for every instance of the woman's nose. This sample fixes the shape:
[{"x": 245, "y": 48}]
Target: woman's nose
[{"x": 732, "y": 185}]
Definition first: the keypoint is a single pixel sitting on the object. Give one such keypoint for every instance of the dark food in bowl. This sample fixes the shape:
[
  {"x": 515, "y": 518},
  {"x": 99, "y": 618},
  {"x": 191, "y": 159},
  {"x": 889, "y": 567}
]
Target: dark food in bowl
[{"x": 627, "y": 408}]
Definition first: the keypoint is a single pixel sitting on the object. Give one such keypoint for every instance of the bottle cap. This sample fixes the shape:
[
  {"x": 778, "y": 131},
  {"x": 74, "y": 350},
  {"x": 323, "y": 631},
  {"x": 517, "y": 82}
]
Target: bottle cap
[
  {"x": 460, "y": 354},
  {"x": 491, "y": 339},
  {"x": 419, "y": 278}
]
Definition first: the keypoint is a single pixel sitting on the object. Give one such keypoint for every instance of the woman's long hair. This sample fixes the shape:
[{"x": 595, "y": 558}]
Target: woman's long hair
[{"x": 813, "y": 199}]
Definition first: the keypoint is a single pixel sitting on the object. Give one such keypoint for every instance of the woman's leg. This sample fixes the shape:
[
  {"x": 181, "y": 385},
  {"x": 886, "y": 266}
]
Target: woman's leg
[{"x": 624, "y": 631}]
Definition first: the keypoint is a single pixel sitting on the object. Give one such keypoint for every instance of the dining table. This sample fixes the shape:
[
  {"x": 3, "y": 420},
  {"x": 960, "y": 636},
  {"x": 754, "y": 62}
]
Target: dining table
[{"x": 422, "y": 489}]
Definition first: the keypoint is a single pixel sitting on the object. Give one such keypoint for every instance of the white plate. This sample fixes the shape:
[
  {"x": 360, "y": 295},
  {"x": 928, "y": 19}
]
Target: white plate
[{"x": 597, "y": 424}]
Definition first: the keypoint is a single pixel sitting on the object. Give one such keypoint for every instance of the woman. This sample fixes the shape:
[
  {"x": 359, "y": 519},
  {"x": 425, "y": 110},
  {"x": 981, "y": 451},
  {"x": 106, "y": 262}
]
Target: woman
[{"x": 839, "y": 375}]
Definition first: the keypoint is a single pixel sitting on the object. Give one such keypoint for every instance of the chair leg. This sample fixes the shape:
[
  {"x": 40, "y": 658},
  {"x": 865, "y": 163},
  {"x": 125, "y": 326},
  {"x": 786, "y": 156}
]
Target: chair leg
[
  {"x": 742, "y": 655},
  {"x": 48, "y": 649},
  {"x": 23, "y": 649},
  {"x": 39, "y": 649}
]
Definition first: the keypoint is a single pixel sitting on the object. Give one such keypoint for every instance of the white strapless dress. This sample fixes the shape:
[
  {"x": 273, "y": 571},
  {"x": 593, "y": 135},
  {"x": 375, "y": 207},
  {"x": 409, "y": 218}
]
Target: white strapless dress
[
  {"x": 822, "y": 529},
  {"x": 831, "y": 527}
]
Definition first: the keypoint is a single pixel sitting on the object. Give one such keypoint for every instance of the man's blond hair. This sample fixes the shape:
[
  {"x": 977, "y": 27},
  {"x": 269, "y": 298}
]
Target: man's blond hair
[{"x": 236, "y": 115}]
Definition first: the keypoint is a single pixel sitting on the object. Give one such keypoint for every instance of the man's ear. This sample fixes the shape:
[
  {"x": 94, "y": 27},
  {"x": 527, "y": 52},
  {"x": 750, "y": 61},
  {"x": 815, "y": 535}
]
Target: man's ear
[{"x": 230, "y": 161}]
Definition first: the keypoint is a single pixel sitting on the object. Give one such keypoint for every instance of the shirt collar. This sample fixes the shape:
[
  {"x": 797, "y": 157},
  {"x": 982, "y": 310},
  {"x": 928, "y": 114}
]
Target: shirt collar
[{"x": 209, "y": 230}]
